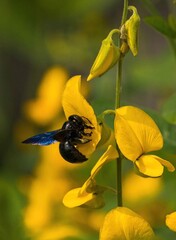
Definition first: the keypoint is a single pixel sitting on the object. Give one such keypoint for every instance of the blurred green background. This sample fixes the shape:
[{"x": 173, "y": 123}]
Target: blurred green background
[{"x": 38, "y": 35}]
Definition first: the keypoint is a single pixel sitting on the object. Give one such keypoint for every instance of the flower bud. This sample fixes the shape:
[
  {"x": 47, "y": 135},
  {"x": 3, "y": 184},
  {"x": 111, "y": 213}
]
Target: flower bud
[
  {"x": 132, "y": 27},
  {"x": 108, "y": 55}
]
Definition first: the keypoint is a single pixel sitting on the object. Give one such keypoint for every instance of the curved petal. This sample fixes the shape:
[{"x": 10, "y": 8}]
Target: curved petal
[
  {"x": 73, "y": 102},
  {"x": 171, "y": 221},
  {"x": 124, "y": 224},
  {"x": 166, "y": 164},
  {"x": 89, "y": 195},
  {"x": 136, "y": 132},
  {"x": 149, "y": 166},
  {"x": 111, "y": 153},
  {"x": 74, "y": 199}
]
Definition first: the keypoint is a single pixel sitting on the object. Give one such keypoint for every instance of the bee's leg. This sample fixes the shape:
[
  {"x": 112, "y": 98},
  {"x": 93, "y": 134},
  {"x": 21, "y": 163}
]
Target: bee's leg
[
  {"x": 87, "y": 134},
  {"x": 80, "y": 140}
]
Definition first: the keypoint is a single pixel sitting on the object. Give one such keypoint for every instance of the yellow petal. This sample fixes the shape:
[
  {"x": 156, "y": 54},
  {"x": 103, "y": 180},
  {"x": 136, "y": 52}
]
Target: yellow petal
[
  {"x": 89, "y": 195},
  {"x": 136, "y": 132},
  {"x": 74, "y": 199},
  {"x": 47, "y": 105},
  {"x": 166, "y": 164},
  {"x": 87, "y": 186},
  {"x": 74, "y": 103},
  {"x": 111, "y": 153},
  {"x": 123, "y": 224},
  {"x": 149, "y": 166},
  {"x": 126, "y": 139},
  {"x": 171, "y": 221}
]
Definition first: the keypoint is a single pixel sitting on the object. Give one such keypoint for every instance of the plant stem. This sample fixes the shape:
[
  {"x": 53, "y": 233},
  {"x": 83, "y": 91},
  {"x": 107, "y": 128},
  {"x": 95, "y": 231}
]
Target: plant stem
[
  {"x": 119, "y": 160},
  {"x": 125, "y": 11},
  {"x": 118, "y": 83},
  {"x": 117, "y": 105}
]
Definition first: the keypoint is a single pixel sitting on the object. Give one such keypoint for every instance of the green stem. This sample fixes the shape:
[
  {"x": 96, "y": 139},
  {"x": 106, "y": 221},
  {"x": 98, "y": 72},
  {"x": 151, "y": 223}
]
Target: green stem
[
  {"x": 125, "y": 11},
  {"x": 118, "y": 83},
  {"x": 119, "y": 160},
  {"x": 117, "y": 105}
]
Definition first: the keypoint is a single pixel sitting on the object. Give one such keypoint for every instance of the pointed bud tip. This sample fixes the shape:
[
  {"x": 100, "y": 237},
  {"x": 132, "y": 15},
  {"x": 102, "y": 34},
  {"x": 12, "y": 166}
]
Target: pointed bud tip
[{"x": 90, "y": 77}]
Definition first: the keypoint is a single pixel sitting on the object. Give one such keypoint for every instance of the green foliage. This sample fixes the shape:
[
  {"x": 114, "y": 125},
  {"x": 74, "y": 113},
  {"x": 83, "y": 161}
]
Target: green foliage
[
  {"x": 169, "y": 110},
  {"x": 161, "y": 25},
  {"x": 11, "y": 226}
]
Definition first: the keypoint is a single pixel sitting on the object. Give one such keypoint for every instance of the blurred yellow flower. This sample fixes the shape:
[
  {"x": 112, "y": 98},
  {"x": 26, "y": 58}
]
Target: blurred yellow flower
[
  {"x": 73, "y": 103},
  {"x": 171, "y": 221},
  {"x": 47, "y": 187},
  {"x": 133, "y": 184},
  {"x": 137, "y": 134},
  {"x": 90, "y": 193},
  {"x": 38, "y": 212},
  {"x": 123, "y": 224},
  {"x": 59, "y": 231},
  {"x": 47, "y": 104}
]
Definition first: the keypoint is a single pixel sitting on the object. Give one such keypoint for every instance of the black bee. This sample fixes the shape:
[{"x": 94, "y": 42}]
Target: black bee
[{"x": 70, "y": 135}]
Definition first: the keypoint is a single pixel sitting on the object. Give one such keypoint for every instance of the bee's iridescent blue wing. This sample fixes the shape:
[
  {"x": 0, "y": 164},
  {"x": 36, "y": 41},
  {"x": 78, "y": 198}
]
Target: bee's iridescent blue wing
[{"x": 42, "y": 139}]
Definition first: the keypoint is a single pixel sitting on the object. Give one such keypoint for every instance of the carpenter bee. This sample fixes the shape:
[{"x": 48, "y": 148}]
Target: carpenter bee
[{"x": 77, "y": 130}]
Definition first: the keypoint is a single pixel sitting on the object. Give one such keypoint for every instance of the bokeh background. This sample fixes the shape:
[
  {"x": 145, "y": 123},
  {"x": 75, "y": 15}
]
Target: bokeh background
[{"x": 42, "y": 44}]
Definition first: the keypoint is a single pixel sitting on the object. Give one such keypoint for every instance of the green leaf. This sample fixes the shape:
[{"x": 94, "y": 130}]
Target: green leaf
[
  {"x": 172, "y": 21},
  {"x": 11, "y": 223},
  {"x": 169, "y": 110},
  {"x": 161, "y": 25}
]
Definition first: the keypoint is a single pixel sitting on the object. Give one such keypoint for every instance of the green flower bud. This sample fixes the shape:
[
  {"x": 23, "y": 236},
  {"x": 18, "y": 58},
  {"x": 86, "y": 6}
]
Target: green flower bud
[
  {"x": 132, "y": 27},
  {"x": 108, "y": 55}
]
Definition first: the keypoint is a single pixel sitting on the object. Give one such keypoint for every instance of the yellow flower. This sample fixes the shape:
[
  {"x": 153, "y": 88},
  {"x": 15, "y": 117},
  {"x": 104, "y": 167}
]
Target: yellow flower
[
  {"x": 123, "y": 224},
  {"x": 73, "y": 103},
  {"x": 47, "y": 104},
  {"x": 108, "y": 55},
  {"x": 171, "y": 221},
  {"x": 132, "y": 27},
  {"x": 90, "y": 194},
  {"x": 137, "y": 134}
]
